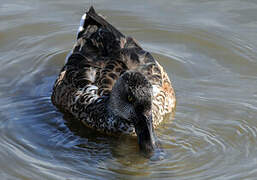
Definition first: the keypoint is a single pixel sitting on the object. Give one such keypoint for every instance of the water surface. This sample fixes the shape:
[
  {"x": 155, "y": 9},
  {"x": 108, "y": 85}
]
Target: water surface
[{"x": 209, "y": 49}]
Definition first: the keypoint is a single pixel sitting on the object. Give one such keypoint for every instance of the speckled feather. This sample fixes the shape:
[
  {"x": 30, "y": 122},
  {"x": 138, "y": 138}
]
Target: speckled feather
[{"x": 99, "y": 57}]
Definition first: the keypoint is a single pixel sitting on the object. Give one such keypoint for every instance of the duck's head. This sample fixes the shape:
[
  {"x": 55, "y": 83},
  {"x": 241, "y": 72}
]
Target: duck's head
[{"x": 131, "y": 99}]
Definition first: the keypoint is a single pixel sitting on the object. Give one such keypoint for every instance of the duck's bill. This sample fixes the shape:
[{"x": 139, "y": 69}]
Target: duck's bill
[{"x": 145, "y": 134}]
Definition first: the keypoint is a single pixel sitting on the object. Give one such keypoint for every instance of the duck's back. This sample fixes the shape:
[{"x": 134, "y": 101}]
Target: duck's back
[{"x": 100, "y": 55}]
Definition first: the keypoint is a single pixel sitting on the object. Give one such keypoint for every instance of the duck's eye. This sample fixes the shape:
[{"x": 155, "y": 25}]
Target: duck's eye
[{"x": 130, "y": 99}]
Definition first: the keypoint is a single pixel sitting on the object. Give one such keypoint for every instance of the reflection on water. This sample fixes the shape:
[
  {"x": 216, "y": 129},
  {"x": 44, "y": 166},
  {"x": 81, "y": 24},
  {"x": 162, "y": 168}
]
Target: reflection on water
[{"x": 207, "y": 47}]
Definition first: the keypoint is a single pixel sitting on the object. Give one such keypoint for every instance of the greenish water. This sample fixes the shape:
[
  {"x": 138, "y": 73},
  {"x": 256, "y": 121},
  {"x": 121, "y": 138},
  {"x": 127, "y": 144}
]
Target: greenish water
[{"x": 209, "y": 49}]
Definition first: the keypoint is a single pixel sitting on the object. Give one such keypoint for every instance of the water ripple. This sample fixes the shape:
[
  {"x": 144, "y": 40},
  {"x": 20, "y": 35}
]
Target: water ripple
[{"x": 208, "y": 51}]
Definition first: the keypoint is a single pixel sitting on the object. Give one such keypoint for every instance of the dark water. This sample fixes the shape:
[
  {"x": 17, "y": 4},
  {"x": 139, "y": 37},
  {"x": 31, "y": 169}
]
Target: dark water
[{"x": 209, "y": 49}]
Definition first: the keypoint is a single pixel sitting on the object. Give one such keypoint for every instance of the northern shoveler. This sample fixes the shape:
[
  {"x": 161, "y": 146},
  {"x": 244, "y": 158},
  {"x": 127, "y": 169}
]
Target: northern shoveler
[{"x": 111, "y": 84}]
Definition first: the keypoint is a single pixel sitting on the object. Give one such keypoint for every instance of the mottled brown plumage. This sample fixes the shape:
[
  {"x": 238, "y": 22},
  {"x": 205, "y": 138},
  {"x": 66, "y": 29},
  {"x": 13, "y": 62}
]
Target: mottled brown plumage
[{"x": 100, "y": 57}]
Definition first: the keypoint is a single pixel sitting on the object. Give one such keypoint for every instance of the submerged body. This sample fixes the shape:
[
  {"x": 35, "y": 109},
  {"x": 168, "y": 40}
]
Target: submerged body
[{"x": 111, "y": 84}]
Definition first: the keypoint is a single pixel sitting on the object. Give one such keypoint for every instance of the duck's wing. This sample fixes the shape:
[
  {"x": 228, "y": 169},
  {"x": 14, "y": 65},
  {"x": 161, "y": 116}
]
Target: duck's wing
[
  {"x": 164, "y": 100},
  {"x": 93, "y": 65},
  {"x": 163, "y": 94},
  {"x": 136, "y": 58}
]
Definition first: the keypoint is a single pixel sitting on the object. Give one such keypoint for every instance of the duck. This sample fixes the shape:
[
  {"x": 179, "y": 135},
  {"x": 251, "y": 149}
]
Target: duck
[{"x": 111, "y": 84}]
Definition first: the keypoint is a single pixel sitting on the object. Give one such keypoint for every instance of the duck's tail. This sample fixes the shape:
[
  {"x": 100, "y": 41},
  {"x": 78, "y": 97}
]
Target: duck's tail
[
  {"x": 92, "y": 18},
  {"x": 99, "y": 36}
]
